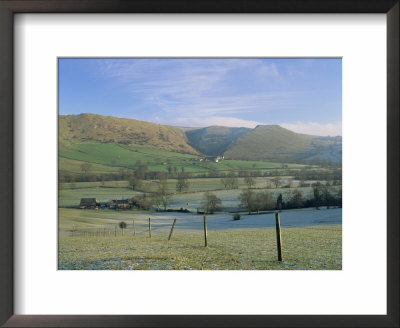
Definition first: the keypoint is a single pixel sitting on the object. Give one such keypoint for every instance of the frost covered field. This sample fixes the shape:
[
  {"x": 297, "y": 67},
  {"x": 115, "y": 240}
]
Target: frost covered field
[
  {"x": 306, "y": 248},
  {"x": 312, "y": 240}
]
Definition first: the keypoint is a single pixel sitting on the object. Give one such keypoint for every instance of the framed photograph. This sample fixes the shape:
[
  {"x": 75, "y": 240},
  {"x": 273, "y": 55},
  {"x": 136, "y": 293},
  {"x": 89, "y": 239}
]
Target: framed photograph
[
  {"x": 199, "y": 164},
  {"x": 161, "y": 188}
]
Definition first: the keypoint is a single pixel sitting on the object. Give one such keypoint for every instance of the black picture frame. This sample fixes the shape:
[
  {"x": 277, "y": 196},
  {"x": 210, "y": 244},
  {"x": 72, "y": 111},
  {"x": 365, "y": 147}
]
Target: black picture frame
[{"x": 10, "y": 7}]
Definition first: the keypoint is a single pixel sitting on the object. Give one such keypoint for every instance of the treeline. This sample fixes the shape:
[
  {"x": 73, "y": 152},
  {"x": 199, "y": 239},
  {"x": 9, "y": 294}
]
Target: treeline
[
  {"x": 322, "y": 195},
  {"x": 334, "y": 175},
  {"x": 140, "y": 171}
]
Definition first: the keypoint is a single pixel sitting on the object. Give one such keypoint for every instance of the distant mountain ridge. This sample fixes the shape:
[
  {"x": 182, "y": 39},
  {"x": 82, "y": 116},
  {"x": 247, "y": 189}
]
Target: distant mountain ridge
[
  {"x": 214, "y": 140},
  {"x": 265, "y": 142}
]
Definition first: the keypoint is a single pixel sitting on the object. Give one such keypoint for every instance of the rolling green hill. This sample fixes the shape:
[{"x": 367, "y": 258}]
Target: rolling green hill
[
  {"x": 114, "y": 130},
  {"x": 268, "y": 142},
  {"x": 119, "y": 142},
  {"x": 72, "y": 154},
  {"x": 274, "y": 143},
  {"x": 110, "y": 158}
]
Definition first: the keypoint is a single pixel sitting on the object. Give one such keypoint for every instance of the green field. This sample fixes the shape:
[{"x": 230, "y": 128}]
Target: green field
[
  {"x": 87, "y": 240},
  {"x": 71, "y": 193},
  {"x": 108, "y": 158},
  {"x": 66, "y": 165},
  {"x": 307, "y": 248}
]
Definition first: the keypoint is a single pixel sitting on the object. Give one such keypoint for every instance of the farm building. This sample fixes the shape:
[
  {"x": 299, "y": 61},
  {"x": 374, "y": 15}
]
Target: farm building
[
  {"x": 215, "y": 159},
  {"x": 120, "y": 203},
  {"x": 88, "y": 203}
]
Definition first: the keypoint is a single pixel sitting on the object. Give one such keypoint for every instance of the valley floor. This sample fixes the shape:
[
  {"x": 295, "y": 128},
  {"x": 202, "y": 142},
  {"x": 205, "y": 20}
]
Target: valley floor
[
  {"x": 305, "y": 248},
  {"x": 92, "y": 240},
  {"x": 100, "y": 221}
]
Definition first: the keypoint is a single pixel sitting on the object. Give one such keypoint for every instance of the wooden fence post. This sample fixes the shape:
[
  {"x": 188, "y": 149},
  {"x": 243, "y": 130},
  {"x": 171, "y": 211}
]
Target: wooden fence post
[
  {"x": 149, "y": 227},
  {"x": 115, "y": 231},
  {"x": 134, "y": 227},
  {"x": 172, "y": 229},
  {"x": 278, "y": 236},
  {"x": 205, "y": 231}
]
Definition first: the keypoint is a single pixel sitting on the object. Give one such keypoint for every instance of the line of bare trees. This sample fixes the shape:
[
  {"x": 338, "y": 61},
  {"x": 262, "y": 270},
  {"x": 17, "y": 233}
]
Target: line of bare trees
[{"x": 322, "y": 195}]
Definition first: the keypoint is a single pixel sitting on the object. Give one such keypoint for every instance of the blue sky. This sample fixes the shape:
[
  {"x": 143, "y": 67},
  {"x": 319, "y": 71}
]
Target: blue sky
[{"x": 304, "y": 95}]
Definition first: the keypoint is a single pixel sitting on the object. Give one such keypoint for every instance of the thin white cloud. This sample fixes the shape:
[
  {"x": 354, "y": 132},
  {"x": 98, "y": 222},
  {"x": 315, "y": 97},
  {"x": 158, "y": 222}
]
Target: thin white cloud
[
  {"x": 170, "y": 83},
  {"x": 213, "y": 120},
  {"x": 202, "y": 93},
  {"x": 207, "y": 106},
  {"x": 317, "y": 129}
]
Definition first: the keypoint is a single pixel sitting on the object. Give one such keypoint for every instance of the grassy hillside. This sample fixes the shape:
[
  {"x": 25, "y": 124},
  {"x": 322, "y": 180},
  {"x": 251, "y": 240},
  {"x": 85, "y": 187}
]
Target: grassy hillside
[
  {"x": 268, "y": 142},
  {"x": 114, "y": 130},
  {"x": 214, "y": 140},
  {"x": 71, "y": 166},
  {"x": 118, "y": 142},
  {"x": 331, "y": 151},
  {"x": 116, "y": 155},
  {"x": 109, "y": 158},
  {"x": 274, "y": 143}
]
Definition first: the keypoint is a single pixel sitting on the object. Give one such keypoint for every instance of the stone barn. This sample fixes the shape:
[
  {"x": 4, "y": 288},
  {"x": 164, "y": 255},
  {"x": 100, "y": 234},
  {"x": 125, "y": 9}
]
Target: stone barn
[
  {"x": 120, "y": 203},
  {"x": 88, "y": 203}
]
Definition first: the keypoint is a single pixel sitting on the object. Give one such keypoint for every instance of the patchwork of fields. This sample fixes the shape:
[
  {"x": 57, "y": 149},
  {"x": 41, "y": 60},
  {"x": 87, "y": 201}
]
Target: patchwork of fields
[
  {"x": 92, "y": 239},
  {"x": 70, "y": 194},
  {"x": 108, "y": 158}
]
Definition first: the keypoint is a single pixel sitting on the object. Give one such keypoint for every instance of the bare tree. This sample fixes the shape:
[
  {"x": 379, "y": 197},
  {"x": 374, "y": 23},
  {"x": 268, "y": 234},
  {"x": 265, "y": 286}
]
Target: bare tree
[
  {"x": 247, "y": 200},
  {"x": 327, "y": 196},
  {"x": 259, "y": 202},
  {"x": 163, "y": 193},
  {"x": 264, "y": 201},
  {"x": 134, "y": 182},
  {"x": 317, "y": 191},
  {"x": 156, "y": 199},
  {"x": 182, "y": 183},
  {"x": 225, "y": 183},
  {"x": 143, "y": 201},
  {"x": 86, "y": 167},
  {"x": 230, "y": 181},
  {"x": 210, "y": 202},
  {"x": 296, "y": 198},
  {"x": 250, "y": 181},
  {"x": 276, "y": 181}
]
